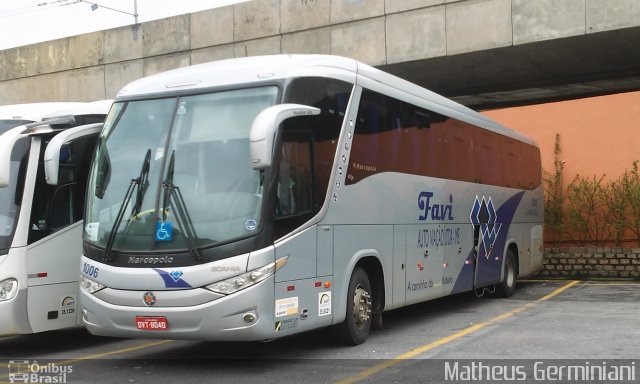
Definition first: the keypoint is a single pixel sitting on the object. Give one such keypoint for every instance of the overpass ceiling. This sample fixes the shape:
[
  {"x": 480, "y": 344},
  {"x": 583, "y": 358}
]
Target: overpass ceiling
[{"x": 553, "y": 70}]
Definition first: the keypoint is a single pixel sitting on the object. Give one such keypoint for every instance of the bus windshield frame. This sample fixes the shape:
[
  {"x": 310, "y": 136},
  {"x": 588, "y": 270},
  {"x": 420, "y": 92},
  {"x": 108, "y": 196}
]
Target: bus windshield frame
[
  {"x": 6, "y": 125},
  {"x": 174, "y": 175},
  {"x": 11, "y": 196}
]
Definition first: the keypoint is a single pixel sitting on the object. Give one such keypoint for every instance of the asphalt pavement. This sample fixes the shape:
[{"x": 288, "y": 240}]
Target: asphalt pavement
[{"x": 529, "y": 337}]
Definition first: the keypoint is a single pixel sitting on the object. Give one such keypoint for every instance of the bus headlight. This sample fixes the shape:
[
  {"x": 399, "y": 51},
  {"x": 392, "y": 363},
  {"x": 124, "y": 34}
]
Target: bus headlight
[
  {"x": 237, "y": 283},
  {"x": 89, "y": 285},
  {"x": 8, "y": 289}
]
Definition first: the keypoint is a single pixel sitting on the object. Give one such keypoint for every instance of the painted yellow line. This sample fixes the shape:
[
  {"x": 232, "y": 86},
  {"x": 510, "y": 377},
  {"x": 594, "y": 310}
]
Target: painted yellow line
[
  {"x": 558, "y": 291},
  {"x": 474, "y": 328},
  {"x": 105, "y": 354},
  {"x": 586, "y": 282}
]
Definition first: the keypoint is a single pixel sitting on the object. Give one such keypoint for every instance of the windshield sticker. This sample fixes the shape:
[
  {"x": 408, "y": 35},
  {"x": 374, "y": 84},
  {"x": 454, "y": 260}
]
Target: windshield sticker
[
  {"x": 287, "y": 307},
  {"x": 182, "y": 109},
  {"x": 91, "y": 229},
  {"x": 159, "y": 153},
  {"x": 250, "y": 225},
  {"x": 164, "y": 231}
]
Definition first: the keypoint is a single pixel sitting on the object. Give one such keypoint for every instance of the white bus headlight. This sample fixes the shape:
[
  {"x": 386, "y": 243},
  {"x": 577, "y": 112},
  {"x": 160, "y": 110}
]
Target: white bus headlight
[
  {"x": 89, "y": 285},
  {"x": 234, "y": 284},
  {"x": 8, "y": 289}
]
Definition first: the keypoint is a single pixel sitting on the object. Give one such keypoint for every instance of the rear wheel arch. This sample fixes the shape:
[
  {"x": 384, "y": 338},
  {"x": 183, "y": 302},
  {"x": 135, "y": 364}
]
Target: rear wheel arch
[
  {"x": 364, "y": 300},
  {"x": 373, "y": 268},
  {"x": 513, "y": 247},
  {"x": 507, "y": 287}
]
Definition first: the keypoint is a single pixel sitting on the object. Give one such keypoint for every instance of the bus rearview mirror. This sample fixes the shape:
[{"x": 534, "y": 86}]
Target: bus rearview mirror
[
  {"x": 264, "y": 129},
  {"x": 52, "y": 153},
  {"x": 7, "y": 141}
]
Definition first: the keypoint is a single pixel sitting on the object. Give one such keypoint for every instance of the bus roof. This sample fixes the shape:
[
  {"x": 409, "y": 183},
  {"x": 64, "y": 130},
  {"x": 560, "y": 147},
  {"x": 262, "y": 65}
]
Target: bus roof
[
  {"x": 245, "y": 70},
  {"x": 39, "y": 111},
  {"x": 256, "y": 69}
]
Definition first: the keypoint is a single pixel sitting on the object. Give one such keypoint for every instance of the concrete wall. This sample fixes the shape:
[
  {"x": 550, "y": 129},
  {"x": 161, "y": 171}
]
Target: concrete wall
[
  {"x": 598, "y": 136},
  {"x": 377, "y": 32}
]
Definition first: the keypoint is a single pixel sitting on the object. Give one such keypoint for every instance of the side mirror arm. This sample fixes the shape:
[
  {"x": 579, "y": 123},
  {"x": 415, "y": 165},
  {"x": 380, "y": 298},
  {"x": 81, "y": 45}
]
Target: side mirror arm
[
  {"x": 264, "y": 129},
  {"x": 52, "y": 153}
]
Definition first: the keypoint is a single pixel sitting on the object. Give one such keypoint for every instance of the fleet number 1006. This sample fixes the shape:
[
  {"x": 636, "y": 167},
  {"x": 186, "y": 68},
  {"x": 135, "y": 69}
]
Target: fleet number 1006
[{"x": 90, "y": 270}]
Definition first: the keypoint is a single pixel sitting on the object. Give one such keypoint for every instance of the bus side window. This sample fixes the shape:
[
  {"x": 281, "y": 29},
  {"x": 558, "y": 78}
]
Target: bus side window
[
  {"x": 295, "y": 179},
  {"x": 56, "y": 207},
  {"x": 294, "y": 194}
]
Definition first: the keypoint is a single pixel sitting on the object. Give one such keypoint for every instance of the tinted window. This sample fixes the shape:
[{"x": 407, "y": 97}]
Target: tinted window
[
  {"x": 307, "y": 150},
  {"x": 56, "y": 207},
  {"x": 322, "y": 132},
  {"x": 394, "y": 136}
]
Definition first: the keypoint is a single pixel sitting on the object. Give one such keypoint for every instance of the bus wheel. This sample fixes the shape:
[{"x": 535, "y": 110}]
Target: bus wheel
[
  {"x": 508, "y": 286},
  {"x": 355, "y": 329}
]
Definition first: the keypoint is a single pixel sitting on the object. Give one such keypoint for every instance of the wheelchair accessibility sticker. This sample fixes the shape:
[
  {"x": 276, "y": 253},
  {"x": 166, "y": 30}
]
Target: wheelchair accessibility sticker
[{"x": 164, "y": 231}]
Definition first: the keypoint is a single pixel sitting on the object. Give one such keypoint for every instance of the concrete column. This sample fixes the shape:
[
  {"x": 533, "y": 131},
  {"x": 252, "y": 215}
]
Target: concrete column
[
  {"x": 212, "y": 27},
  {"x": 311, "y": 41},
  {"x": 347, "y": 40},
  {"x": 536, "y": 20},
  {"x": 117, "y": 75},
  {"x": 477, "y": 25},
  {"x": 416, "y": 35},
  {"x": 612, "y": 14},
  {"x": 255, "y": 19},
  {"x": 349, "y": 10},
  {"x": 166, "y": 36},
  {"x": 297, "y": 15},
  {"x": 122, "y": 44}
]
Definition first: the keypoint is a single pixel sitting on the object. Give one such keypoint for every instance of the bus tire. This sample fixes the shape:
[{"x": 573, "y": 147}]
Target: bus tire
[
  {"x": 508, "y": 285},
  {"x": 355, "y": 328}
]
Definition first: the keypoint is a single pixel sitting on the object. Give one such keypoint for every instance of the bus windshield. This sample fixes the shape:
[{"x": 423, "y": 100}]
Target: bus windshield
[
  {"x": 9, "y": 199},
  {"x": 175, "y": 173}
]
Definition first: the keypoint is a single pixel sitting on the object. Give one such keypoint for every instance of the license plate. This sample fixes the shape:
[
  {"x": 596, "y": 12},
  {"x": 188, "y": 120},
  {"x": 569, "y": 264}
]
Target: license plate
[{"x": 158, "y": 323}]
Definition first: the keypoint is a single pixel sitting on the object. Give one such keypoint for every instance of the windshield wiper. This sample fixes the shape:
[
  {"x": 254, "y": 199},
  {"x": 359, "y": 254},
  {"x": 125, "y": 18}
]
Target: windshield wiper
[
  {"x": 143, "y": 184},
  {"x": 142, "y": 181},
  {"x": 173, "y": 198}
]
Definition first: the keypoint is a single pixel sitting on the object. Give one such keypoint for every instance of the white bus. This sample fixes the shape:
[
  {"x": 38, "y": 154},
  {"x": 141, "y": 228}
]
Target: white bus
[
  {"x": 260, "y": 197},
  {"x": 45, "y": 151}
]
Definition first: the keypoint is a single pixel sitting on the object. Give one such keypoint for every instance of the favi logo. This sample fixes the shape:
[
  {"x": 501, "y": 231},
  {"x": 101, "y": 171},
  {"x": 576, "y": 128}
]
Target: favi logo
[{"x": 484, "y": 215}]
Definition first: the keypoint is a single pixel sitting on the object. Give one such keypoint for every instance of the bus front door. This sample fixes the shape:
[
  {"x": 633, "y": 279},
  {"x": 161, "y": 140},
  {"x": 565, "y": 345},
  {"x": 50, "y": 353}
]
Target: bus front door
[{"x": 55, "y": 232}]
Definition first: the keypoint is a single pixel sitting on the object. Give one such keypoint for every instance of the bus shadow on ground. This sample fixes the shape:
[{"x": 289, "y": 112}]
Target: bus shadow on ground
[
  {"x": 39, "y": 344},
  {"x": 303, "y": 345}
]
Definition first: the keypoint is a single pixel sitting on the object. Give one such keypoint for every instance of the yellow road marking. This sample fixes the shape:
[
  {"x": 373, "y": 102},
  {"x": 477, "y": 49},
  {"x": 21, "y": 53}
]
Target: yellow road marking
[
  {"x": 558, "y": 291},
  {"x": 104, "y": 354},
  {"x": 613, "y": 283},
  {"x": 370, "y": 371},
  {"x": 420, "y": 350}
]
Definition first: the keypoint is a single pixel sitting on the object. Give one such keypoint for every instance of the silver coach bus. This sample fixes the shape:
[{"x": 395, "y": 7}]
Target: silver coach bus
[{"x": 255, "y": 198}]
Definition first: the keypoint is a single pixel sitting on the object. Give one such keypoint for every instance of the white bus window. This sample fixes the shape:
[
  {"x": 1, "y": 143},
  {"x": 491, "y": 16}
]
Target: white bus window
[{"x": 56, "y": 207}]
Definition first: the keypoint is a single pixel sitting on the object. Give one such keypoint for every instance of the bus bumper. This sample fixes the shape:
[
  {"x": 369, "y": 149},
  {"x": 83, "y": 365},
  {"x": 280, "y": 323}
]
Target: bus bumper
[
  {"x": 223, "y": 319},
  {"x": 13, "y": 315}
]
